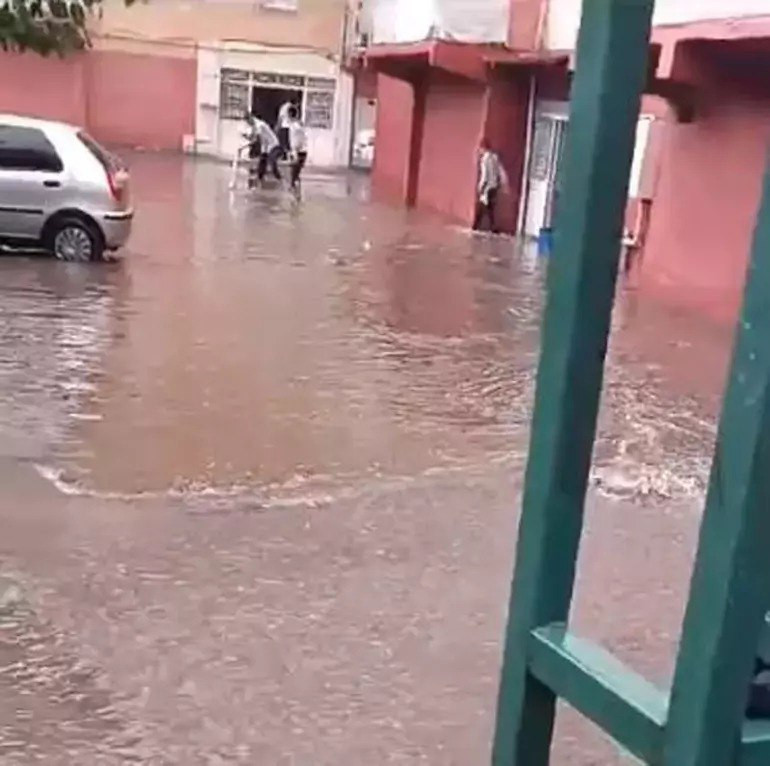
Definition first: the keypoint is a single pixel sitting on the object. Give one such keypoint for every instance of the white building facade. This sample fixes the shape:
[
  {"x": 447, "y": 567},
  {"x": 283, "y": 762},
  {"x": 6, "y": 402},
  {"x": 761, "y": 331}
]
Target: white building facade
[{"x": 235, "y": 78}]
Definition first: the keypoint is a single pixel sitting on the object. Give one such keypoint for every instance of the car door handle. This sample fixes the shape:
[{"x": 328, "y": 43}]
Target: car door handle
[{"x": 52, "y": 184}]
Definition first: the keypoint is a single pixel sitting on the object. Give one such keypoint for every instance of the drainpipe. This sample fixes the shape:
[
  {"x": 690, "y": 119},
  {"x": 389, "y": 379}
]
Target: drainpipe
[
  {"x": 342, "y": 71},
  {"x": 353, "y": 120}
]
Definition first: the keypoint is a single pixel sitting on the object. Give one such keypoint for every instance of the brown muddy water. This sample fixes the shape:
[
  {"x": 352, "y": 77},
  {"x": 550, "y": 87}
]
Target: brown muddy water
[{"x": 259, "y": 482}]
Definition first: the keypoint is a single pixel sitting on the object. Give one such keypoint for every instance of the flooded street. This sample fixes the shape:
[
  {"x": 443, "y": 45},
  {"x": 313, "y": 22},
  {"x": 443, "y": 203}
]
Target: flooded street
[{"x": 260, "y": 481}]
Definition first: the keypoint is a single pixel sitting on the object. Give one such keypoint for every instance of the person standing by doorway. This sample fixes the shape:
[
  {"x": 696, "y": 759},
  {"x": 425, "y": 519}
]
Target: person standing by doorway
[
  {"x": 270, "y": 150},
  {"x": 282, "y": 125},
  {"x": 297, "y": 146},
  {"x": 492, "y": 178}
]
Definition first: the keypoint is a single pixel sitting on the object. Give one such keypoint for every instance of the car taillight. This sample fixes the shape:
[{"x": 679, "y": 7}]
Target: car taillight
[{"x": 118, "y": 180}]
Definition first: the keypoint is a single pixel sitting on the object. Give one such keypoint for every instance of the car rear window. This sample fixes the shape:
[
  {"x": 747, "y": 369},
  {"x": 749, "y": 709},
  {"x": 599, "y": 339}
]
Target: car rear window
[
  {"x": 24, "y": 148},
  {"x": 108, "y": 160}
]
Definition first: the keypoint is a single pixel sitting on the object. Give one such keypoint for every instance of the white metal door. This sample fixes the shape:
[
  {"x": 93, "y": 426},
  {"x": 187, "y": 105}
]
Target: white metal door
[
  {"x": 208, "y": 93},
  {"x": 547, "y": 144}
]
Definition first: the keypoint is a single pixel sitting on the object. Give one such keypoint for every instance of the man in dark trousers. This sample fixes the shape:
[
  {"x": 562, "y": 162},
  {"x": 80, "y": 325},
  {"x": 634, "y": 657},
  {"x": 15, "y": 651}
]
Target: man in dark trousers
[
  {"x": 255, "y": 149},
  {"x": 492, "y": 178},
  {"x": 297, "y": 146}
]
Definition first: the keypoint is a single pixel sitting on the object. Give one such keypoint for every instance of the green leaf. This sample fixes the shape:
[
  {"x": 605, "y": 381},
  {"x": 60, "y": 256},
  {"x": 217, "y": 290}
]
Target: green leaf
[{"x": 55, "y": 26}]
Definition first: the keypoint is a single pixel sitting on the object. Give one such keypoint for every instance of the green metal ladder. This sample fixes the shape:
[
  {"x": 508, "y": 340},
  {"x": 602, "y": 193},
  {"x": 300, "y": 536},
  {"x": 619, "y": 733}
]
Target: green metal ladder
[{"x": 701, "y": 721}]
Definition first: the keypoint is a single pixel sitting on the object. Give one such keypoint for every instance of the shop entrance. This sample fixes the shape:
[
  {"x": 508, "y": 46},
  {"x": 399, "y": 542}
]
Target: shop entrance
[{"x": 265, "y": 102}]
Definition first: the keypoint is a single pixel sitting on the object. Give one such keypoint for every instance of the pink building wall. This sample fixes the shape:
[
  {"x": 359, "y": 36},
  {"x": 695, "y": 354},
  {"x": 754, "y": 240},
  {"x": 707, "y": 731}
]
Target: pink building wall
[
  {"x": 395, "y": 105},
  {"x": 454, "y": 120},
  {"x": 506, "y": 129},
  {"x": 50, "y": 88},
  {"x": 140, "y": 99},
  {"x": 526, "y": 23},
  {"x": 707, "y": 191},
  {"x": 138, "y": 86},
  {"x": 705, "y": 205},
  {"x": 122, "y": 98},
  {"x": 315, "y": 24},
  {"x": 428, "y": 137}
]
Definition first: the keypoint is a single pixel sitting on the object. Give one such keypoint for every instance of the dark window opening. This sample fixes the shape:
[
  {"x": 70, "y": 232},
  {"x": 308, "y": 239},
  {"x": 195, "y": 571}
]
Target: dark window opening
[
  {"x": 266, "y": 102},
  {"x": 24, "y": 148}
]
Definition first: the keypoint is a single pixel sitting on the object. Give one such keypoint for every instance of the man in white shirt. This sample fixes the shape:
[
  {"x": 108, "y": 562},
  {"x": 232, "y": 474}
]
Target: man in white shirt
[
  {"x": 492, "y": 178},
  {"x": 269, "y": 147},
  {"x": 297, "y": 145},
  {"x": 282, "y": 126}
]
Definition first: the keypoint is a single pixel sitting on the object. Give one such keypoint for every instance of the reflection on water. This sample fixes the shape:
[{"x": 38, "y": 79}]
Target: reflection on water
[
  {"x": 281, "y": 445},
  {"x": 249, "y": 343}
]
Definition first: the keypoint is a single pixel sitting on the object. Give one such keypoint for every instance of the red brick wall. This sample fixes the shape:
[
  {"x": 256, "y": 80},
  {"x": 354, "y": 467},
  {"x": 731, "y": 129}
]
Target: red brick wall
[
  {"x": 141, "y": 100},
  {"x": 50, "y": 88},
  {"x": 122, "y": 98},
  {"x": 454, "y": 120},
  {"x": 457, "y": 113},
  {"x": 506, "y": 129},
  {"x": 706, "y": 198},
  {"x": 395, "y": 105}
]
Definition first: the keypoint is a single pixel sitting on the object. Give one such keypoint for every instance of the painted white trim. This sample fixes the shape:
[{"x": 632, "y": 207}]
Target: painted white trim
[{"x": 524, "y": 191}]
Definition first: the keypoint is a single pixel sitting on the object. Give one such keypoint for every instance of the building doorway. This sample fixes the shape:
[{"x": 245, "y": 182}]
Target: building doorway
[
  {"x": 266, "y": 102},
  {"x": 543, "y": 182}
]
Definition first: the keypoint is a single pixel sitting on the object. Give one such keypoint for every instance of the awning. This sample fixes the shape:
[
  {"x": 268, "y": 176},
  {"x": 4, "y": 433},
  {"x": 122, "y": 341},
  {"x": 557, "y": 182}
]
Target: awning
[{"x": 509, "y": 57}]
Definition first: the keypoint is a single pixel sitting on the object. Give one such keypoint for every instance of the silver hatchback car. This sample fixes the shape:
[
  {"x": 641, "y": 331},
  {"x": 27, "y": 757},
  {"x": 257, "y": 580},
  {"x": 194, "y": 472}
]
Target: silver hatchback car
[{"x": 61, "y": 190}]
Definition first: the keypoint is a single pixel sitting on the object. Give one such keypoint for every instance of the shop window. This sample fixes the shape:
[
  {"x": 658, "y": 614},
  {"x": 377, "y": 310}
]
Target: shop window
[
  {"x": 234, "y": 94},
  {"x": 541, "y": 149},
  {"x": 319, "y": 105}
]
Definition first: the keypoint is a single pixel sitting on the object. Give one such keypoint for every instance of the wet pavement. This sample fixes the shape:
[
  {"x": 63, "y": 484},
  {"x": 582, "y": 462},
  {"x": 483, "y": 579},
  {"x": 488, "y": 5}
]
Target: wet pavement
[{"x": 259, "y": 483}]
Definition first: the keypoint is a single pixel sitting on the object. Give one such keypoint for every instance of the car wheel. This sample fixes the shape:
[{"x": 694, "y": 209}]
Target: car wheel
[{"x": 73, "y": 239}]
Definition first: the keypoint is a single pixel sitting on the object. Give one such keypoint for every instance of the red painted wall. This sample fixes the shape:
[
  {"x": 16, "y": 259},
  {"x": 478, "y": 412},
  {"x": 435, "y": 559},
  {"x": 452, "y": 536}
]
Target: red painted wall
[
  {"x": 366, "y": 84},
  {"x": 442, "y": 151},
  {"x": 122, "y": 98},
  {"x": 395, "y": 105},
  {"x": 454, "y": 120},
  {"x": 553, "y": 83},
  {"x": 706, "y": 199},
  {"x": 506, "y": 129},
  {"x": 141, "y": 100},
  {"x": 50, "y": 88}
]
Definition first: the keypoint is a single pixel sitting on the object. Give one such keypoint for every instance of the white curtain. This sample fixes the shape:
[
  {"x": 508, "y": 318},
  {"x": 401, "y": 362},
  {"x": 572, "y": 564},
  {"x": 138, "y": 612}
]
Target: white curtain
[{"x": 472, "y": 21}]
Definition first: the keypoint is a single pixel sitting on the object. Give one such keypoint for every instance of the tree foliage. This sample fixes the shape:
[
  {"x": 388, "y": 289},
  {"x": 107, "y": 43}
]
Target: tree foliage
[{"x": 47, "y": 26}]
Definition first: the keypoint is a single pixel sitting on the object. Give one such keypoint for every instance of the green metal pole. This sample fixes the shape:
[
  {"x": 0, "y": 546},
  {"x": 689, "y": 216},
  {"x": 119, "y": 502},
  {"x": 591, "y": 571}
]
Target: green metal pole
[
  {"x": 611, "y": 69},
  {"x": 730, "y": 589}
]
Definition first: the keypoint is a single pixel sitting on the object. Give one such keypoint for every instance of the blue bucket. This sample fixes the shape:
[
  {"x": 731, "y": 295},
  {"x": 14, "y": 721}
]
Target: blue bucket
[{"x": 545, "y": 242}]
